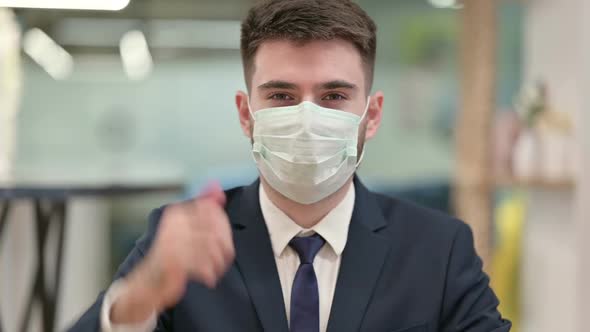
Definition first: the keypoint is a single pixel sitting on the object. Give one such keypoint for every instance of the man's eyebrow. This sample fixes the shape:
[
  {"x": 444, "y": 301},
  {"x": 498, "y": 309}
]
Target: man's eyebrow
[
  {"x": 338, "y": 84},
  {"x": 274, "y": 84}
]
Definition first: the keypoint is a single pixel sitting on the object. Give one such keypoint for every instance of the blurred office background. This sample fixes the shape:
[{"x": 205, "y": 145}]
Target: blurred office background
[{"x": 144, "y": 95}]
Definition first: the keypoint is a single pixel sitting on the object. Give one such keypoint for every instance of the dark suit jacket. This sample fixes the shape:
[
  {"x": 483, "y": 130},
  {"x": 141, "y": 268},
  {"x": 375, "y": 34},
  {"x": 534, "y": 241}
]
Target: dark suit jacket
[{"x": 404, "y": 269}]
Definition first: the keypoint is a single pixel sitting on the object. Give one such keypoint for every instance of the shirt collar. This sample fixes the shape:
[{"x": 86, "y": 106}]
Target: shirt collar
[{"x": 333, "y": 227}]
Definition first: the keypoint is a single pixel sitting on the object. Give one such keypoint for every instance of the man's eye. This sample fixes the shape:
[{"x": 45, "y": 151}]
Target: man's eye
[
  {"x": 281, "y": 96},
  {"x": 334, "y": 96}
]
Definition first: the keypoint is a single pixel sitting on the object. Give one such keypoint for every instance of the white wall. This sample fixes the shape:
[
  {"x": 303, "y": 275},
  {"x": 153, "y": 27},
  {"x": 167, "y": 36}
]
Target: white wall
[
  {"x": 557, "y": 50},
  {"x": 583, "y": 191}
]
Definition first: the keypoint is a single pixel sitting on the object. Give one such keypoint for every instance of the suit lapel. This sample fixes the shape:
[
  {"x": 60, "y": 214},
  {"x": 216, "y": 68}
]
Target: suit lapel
[
  {"x": 255, "y": 259},
  {"x": 361, "y": 264}
]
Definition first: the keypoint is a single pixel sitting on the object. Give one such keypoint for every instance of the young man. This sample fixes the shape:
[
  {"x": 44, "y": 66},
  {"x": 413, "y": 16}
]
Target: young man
[{"x": 307, "y": 247}]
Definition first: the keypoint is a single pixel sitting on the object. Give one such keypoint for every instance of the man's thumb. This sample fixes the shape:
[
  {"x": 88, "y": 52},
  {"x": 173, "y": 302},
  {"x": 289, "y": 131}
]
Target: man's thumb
[{"x": 214, "y": 192}]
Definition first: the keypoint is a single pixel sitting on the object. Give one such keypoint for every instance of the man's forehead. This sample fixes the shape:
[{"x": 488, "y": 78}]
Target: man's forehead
[
  {"x": 314, "y": 60},
  {"x": 311, "y": 51}
]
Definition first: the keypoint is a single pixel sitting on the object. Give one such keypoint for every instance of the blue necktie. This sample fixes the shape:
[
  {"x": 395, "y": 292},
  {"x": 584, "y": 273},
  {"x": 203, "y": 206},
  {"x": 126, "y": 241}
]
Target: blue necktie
[{"x": 305, "y": 303}]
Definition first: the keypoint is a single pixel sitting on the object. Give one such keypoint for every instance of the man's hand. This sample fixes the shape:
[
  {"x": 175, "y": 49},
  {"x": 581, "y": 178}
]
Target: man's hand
[{"x": 193, "y": 242}]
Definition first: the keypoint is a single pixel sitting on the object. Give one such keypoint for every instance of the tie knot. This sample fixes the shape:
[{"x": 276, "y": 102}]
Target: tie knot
[{"x": 307, "y": 247}]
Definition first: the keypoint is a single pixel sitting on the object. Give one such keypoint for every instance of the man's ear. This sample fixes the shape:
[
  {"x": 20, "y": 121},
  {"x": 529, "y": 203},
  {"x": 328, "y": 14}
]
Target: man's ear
[
  {"x": 374, "y": 114},
  {"x": 244, "y": 113}
]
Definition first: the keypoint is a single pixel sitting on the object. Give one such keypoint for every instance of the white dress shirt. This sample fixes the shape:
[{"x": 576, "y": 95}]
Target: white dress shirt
[{"x": 333, "y": 228}]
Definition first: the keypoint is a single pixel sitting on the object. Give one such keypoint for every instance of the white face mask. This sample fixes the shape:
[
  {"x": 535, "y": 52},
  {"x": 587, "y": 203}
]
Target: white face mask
[{"x": 306, "y": 152}]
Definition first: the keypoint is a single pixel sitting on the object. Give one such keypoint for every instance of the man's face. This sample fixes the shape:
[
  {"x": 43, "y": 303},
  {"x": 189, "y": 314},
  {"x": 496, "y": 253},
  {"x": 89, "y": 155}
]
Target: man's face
[{"x": 328, "y": 73}]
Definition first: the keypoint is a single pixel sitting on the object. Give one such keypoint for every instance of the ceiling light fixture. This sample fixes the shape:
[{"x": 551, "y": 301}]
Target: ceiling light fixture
[
  {"x": 135, "y": 54},
  {"x": 67, "y": 4},
  {"x": 446, "y": 4},
  {"x": 56, "y": 61}
]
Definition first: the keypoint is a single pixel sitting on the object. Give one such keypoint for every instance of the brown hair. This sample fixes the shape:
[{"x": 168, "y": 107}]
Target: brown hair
[{"x": 302, "y": 21}]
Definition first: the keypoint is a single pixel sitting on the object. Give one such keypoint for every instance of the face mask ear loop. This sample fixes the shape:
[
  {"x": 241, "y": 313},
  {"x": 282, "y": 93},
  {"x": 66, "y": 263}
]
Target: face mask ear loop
[
  {"x": 252, "y": 117},
  {"x": 366, "y": 109},
  {"x": 358, "y": 162},
  {"x": 250, "y": 109}
]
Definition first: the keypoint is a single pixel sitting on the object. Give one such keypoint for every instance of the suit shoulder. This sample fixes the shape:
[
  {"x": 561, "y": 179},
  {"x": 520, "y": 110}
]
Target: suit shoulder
[
  {"x": 234, "y": 192},
  {"x": 411, "y": 216}
]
